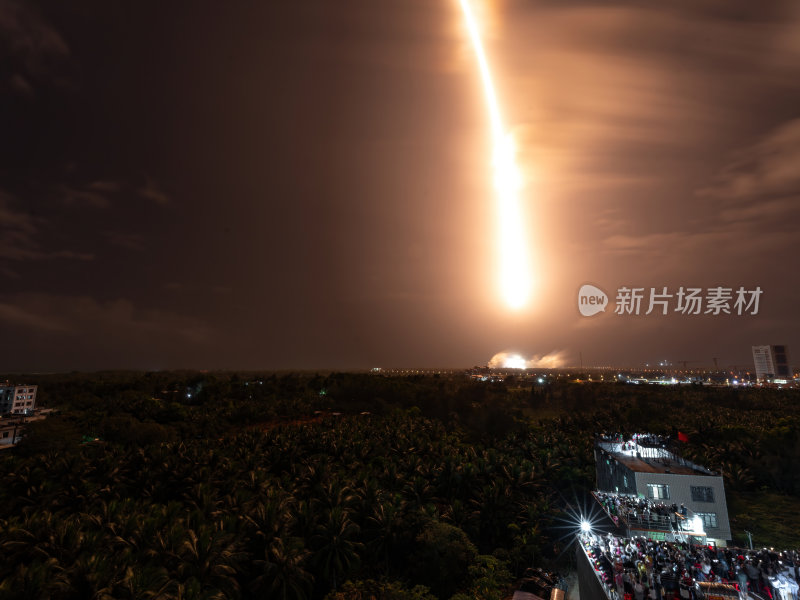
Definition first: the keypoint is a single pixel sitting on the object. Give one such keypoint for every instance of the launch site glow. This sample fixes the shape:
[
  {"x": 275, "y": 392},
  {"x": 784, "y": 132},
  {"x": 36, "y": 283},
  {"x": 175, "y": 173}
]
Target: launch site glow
[
  {"x": 514, "y": 270},
  {"x": 514, "y": 361}
]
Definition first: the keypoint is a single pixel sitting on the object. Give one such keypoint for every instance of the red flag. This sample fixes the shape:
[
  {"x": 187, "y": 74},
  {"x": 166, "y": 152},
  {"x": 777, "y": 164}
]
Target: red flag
[{"x": 682, "y": 437}]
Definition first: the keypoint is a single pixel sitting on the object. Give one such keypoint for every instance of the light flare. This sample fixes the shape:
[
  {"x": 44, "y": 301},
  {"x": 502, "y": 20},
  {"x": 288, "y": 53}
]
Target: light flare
[{"x": 514, "y": 271}]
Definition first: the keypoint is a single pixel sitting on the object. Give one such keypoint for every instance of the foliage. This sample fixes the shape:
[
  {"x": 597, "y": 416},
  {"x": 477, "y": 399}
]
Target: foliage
[
  {"x": 380, "y": 590},
  {"x": 442, "y": 558},
  {"x": 250, "y": 485}
]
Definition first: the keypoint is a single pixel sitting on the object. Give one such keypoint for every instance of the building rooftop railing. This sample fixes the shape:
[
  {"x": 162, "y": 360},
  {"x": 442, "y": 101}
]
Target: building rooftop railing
[
  {"x": 636, "y": 519},
  {"x": 650, "y": 452}
]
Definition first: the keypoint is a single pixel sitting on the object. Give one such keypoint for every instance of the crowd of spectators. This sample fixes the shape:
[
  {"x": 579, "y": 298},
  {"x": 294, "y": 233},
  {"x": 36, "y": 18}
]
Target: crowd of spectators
[
  {"x": 642, "y": 439},
  {"x": 638, "y": 568},
  {"x": 632, "y": 508}
]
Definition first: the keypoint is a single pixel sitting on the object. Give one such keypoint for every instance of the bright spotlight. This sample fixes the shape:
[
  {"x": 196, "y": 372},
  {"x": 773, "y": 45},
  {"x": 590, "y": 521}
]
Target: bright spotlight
[
  {"x": 697, "y": 524},
  {"x": 586, "y": 527}
]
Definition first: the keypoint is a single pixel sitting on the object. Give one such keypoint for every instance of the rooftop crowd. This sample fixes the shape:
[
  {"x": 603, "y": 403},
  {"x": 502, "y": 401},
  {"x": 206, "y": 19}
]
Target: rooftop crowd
[{"x": 638, "y": 568}]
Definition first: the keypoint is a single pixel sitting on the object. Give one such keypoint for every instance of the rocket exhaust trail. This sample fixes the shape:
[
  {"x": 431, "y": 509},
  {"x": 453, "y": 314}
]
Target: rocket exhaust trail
[{"x": 514, "y": 271}]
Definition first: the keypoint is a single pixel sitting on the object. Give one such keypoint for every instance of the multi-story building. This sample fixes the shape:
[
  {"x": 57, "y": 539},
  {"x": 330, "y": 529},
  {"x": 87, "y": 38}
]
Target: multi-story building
[
  {"x": 771, "y": 362},
  {"x": 17, "y": 399},
  {"x": 648, "y": 468}
]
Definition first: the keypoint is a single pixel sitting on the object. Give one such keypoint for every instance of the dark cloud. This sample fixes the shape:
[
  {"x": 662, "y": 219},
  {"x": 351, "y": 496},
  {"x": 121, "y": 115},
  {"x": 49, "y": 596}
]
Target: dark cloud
[
  {"x": 104, "y": 186},
  {"x": 20, "y": 235},
  {"x": 107, "y": 334},
  {"x": 21, "y": 85},
  {"x": 83, "y": 196},
  {"x": 130, "y": 241},
  {"x": 36, "y": 51},
  {"x": 152, "y": 191},
  {"x": 769, "y": 168},
  {"x": 19, "y": 317}
]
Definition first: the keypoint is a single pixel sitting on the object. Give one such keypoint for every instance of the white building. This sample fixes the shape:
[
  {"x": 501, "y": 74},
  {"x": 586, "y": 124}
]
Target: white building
[
  {"x": 771, "y": 362},
  {"x": 648, "y": 469},
  {"x": 17, "y": 399}
]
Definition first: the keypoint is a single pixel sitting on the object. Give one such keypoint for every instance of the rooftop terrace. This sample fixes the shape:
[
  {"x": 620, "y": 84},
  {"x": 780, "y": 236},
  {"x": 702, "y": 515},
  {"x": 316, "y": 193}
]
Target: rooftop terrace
[{"x": 647, "y": 453}]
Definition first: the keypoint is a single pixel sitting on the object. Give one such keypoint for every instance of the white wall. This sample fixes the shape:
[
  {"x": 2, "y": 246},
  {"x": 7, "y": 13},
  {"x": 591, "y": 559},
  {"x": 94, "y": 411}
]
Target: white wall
[{"x": 680, "y": 492}]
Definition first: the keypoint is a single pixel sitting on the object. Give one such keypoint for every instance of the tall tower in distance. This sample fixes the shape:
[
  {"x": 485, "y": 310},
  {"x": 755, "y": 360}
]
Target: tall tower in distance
[{"x": 772, "y": 362}]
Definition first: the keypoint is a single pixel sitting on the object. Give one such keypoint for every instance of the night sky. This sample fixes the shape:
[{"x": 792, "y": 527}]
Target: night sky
[{"x": 307, "y": 184}]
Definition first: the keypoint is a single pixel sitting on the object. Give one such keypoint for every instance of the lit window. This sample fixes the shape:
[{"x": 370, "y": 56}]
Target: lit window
[
  {"x": 658, "y": 491},
  {"x": 709, "y": 520}
]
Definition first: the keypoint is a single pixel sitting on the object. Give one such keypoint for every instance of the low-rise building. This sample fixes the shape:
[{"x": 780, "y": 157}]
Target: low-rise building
[
  {"x": 12, "y": 427},
  {"x": 11, "y": 431},
  {"x": 17, "y": 399},
  {"x": 647, "y": 467}
]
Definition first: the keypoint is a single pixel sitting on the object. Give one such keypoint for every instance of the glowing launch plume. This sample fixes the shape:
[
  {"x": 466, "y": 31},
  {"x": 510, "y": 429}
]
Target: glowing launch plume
[
  {"x": 515, "y": 276},
  {"x": 511, "y": 360}
]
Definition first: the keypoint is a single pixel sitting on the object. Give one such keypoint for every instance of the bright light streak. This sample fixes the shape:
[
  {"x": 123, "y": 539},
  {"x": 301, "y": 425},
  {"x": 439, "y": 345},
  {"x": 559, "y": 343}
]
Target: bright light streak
[{"x": 515, "y": 276}]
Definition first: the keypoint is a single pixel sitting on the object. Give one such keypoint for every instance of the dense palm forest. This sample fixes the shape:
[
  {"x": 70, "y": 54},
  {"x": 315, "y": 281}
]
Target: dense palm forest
[{"x": 342, "y": 486}]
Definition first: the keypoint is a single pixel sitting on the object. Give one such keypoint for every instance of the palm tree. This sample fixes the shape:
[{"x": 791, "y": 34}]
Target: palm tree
[
  {"x": 284, "y": 575},
  {"x": 146, "y": 582},
  {"x": 336, "y": 548},
  {"x": 334, "y": 493},
  {"x": 210, "y": 557},
  {"x": 269, "y": 517},
  {"x": 459, "y": 515},
  {"x": 33, "y": 581},
  {"x": 737, "y": 476},
  {"x": 419, "y": 491},
  {"x": 384, "y": 528}
]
